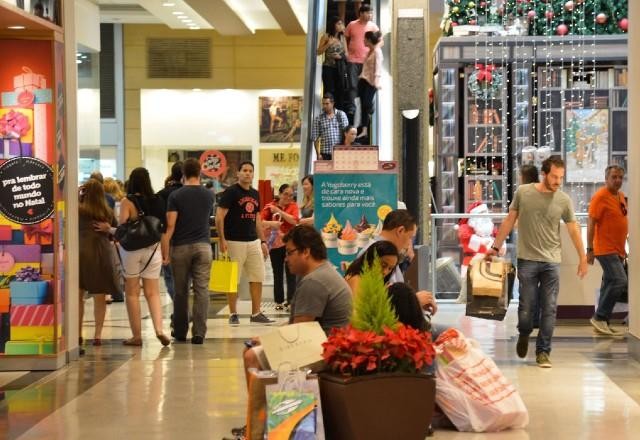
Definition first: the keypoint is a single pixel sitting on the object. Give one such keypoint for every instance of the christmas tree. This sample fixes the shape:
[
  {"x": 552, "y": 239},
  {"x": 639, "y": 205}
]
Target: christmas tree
[{"x": 544, "y": 17}]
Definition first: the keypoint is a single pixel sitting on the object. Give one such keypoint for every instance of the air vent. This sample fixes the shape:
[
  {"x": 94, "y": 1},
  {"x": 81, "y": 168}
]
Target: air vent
[
  {"x": 107, "y": 72},
  {"x": 178, "y": 58}
]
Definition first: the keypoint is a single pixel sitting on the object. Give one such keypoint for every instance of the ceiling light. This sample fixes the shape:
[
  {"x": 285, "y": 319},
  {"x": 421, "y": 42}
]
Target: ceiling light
[
  {"x": 16, "y": 27},
  {"x": 194, "y": 27},
  {"x": 168, "y": 4},
  {"x": 177, "y": 13}
]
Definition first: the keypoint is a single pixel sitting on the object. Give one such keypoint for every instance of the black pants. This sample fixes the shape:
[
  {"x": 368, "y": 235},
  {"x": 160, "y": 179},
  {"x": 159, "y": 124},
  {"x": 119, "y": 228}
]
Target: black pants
[
  {"x": 366, "y": 92},
  {"x": 279, "y": 270}
]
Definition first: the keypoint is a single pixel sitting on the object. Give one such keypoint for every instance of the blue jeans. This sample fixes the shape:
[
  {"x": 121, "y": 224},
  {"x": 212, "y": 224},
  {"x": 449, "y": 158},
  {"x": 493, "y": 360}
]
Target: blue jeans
[
  {"x": 614, "y": 283},
  {"x": 543, "y": 280}
]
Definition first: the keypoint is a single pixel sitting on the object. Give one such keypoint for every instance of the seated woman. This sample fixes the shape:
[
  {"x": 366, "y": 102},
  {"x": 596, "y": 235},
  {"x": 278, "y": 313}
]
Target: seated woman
[
  {"x": 388, "y": 254},
  {"x": 405, "y": 303}
]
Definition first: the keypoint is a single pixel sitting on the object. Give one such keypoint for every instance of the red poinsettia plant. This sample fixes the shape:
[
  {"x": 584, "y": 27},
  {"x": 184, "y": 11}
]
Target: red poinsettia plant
[{"x": 374, "y": 341}]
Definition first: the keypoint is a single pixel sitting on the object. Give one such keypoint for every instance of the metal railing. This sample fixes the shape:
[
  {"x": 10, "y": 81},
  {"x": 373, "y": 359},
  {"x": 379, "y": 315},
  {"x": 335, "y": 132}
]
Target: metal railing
[{"x": 445, "y": 248}]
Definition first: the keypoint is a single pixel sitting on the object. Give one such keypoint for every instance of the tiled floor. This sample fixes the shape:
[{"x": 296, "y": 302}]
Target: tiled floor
[{"x": 197, "y": 392}]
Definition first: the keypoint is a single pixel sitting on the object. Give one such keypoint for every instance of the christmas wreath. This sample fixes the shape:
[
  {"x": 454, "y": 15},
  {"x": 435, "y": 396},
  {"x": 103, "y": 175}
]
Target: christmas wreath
[{"x": 485, "y": 82}]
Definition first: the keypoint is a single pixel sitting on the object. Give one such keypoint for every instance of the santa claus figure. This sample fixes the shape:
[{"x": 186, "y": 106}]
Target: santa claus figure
[{"x": 476, "y": 237}]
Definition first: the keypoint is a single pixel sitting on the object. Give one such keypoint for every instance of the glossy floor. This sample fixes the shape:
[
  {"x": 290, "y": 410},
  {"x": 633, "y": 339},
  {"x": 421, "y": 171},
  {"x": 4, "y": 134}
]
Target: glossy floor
[{"x": 197, "y": 392}]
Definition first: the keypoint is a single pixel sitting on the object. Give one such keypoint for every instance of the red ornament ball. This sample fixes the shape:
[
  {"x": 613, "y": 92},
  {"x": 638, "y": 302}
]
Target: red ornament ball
[
  {"x": 454, "y": 23},
  {"x": 562, "y": 29},
  {"x": 473, "y": 21},
  {"x": 531, "y": 15},
  {"x": 549, "y": 15},
  {"x": 601, "y": 18},
  {"x": 624, "y": 24},
  {"x": 569, "y": 6}
]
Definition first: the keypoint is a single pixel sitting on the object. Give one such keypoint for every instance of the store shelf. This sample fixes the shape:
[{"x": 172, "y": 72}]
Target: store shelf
[{"x": 33, "y": 26}]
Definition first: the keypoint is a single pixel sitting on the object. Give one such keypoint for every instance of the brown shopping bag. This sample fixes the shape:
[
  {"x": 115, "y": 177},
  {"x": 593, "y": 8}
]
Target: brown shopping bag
[
  {"x": 297, "y": 344},
  {"x": 482, "y": 305},
  {"x": 224, "y": 275},
  {"x": 487, "y": 278}
]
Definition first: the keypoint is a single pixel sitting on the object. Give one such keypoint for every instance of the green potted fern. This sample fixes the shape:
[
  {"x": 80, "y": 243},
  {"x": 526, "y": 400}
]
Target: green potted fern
[{"x": 376, "y": 386}]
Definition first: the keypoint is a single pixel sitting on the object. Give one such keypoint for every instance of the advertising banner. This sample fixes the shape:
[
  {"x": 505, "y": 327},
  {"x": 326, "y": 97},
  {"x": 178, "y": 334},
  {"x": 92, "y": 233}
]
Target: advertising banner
[{"x": 351, "y": 206}]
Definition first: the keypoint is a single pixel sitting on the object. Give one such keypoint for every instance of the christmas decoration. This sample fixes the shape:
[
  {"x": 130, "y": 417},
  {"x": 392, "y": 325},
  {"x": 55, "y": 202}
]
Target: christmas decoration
[
  {"x": 484, "y": 82},
  {"x": 582, "y": 17},
  {"x": 562, "y": 29},
  {"x": 624, "y": 24}
]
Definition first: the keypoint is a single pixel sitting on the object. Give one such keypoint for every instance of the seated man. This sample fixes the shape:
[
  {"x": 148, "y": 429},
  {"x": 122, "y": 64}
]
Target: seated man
[{"x": 321, "y": 295}]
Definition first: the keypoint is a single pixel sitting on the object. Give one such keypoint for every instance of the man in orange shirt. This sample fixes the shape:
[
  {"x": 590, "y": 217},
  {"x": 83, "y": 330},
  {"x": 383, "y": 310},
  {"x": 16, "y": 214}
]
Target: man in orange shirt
[{"x": 607, "y": 231}]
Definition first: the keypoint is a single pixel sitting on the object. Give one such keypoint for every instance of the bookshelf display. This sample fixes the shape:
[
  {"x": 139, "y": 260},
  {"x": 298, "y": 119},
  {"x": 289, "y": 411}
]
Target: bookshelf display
[{"x": 574, "y": 106}]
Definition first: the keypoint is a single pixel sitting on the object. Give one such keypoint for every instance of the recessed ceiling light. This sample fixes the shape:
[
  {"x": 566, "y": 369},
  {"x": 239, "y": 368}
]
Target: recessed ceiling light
[
  {"x": 177, "y": 13},
  {"x": 168, "y": 4},
  {"x": 78, "y": 61},
  {"x": 16, "y": 27},
  {"x": 194, "y": 27}
]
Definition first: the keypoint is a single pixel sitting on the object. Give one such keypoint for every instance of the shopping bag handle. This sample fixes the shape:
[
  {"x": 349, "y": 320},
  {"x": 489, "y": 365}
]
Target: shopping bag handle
[{"x": 223, "y": 256}]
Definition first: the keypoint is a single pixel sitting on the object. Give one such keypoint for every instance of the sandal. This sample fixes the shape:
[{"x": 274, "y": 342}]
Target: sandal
[
  {"x": 97, "y": 342},
  {"x": 164, "y": 339},
  {"x": 279, "y": 307},
  {"x": 133, "y": 342}
]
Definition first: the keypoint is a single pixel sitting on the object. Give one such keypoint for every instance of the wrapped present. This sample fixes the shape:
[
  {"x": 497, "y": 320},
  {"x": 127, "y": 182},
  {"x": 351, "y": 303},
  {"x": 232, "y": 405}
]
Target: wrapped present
[
  {"x": 17, "y": 236},
  {"x": 23, "y": 253},
  {"x": 5, "y": 330},
  {"x": 32, "y": 315},
  {"x": 33, "y": 332},
  {"x": 16, "y": 148},
  {"x": 28, "y": 292},
  {"x": 29, "y": 81},
  {"x": 16, "y": 131},
  {"x": 18, "y": 267},
  {"x": 13, "y": 225},
  {"x": 5, "y": 300},
  {"x": 28, "y": 347},
  {"x": 46, "y": 264},
  {"x": 40, "y": 233},
  {"x": 5, "y": 233}
]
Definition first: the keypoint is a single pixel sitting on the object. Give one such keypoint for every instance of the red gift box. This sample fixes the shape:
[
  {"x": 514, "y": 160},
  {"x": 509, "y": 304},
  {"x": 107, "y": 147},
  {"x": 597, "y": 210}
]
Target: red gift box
[
  {"x": 31, "y": 314},
  {"x": 5, "y": 233}
]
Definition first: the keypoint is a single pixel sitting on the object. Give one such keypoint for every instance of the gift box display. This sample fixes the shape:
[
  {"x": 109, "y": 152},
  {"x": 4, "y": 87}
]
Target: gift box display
[
  {"x": 15, "y": 258},
  {"x": 28, "y": 288},
  {"x": 40, "y": 233},
  {"x": 4, "y": 300},
  {"x": 28, "y": 347},
  {"x": 5, "y": 330},
  {"x": 29, "y": 81},
  {"x": 16, "y": 131}
]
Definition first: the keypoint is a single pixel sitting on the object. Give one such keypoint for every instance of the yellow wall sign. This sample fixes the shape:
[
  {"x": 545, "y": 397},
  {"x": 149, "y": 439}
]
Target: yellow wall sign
[{"x": 279, "y": 165}]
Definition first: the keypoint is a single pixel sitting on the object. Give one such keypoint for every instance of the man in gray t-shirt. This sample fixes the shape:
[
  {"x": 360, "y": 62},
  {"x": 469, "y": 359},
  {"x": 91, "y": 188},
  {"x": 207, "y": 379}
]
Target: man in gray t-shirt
[{"x": 538, "y": 208}]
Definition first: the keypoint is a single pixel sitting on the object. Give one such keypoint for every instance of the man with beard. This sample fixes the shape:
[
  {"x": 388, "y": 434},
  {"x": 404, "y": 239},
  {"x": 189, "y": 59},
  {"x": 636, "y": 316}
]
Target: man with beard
[
  {"x": 538, "y": 208},
  {"x": 607, "y": 231}
]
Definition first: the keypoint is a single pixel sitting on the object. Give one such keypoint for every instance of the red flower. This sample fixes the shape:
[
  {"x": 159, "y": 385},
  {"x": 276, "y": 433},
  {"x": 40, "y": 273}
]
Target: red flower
[{"x": 354, "y": 352}]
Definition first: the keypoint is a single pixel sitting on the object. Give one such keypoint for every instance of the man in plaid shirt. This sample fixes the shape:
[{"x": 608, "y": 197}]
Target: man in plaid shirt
[{"x": 327, "y": 128}]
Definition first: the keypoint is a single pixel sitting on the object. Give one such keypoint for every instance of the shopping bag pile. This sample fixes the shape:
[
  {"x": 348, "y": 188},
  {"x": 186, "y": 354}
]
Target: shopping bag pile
[{"x": 471, "y": 390}]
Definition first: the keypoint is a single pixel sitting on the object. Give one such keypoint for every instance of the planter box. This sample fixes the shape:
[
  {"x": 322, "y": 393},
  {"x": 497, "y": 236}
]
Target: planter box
[{"x": 377, "y": 407}]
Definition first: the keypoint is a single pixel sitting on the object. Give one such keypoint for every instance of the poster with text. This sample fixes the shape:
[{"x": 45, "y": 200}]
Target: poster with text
[
  {"x": 350, "y": 209},
  {"x": 280, "y": 165}
]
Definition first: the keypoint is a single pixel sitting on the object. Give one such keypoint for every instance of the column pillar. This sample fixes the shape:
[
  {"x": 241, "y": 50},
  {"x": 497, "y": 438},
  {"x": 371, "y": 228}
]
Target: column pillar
[{"x": 634, "y": 178}]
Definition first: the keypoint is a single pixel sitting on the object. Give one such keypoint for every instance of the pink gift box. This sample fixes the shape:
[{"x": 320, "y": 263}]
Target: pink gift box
[
  {"x": 29, "y": 81},
  {"x": 23, "y": 253}
]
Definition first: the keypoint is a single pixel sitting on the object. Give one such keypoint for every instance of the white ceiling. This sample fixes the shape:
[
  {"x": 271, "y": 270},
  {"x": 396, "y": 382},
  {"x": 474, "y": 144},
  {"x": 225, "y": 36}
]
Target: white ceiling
[{"x": 250, "y": 14}]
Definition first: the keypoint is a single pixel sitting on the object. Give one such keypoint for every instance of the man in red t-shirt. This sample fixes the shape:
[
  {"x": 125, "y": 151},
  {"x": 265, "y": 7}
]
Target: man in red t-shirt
[{"x": 607, "y": 232}]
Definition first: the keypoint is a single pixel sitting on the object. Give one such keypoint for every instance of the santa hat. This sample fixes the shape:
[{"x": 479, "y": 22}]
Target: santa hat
[
  {"x": 471, "y": 210},
  {"x": 480, "y": 208}
]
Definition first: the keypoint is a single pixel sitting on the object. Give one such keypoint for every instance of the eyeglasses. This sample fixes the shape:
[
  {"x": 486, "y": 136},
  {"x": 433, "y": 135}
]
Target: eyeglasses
[
  {"x": 291, "y": 251},
  {"x": 624, "y": 209}
]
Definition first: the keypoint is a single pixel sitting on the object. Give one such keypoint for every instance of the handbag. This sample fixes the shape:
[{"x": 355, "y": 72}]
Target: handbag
[
  {"x": 223, "y": 276},
  {"x": 299, "y": 344},
  {"x": 140, "y": 233}
]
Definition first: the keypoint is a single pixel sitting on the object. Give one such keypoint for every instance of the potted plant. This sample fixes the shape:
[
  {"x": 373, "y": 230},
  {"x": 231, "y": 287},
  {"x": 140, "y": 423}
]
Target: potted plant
[{"x": 376, "y": 386}]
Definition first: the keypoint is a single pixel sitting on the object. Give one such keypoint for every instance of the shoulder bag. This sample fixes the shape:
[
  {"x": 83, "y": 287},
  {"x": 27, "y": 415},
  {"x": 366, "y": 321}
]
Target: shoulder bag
[{"x": 140, "y": 233}]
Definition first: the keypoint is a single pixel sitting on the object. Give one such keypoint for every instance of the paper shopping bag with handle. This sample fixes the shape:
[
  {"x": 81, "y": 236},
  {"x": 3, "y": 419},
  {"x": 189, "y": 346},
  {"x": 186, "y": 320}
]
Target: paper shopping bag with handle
[
  {"x": 299, "y": 344},
  {"x": 224, "y": 275}
]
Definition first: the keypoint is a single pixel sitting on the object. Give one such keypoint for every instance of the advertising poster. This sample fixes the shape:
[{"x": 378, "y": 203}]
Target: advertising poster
[
  {"x": 350, "y": 208},
  {"x": 280, "y": 165}
]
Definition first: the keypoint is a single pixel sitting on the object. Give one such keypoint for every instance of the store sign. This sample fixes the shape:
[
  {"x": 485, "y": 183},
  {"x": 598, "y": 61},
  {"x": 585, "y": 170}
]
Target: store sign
[
  {"x": 26, "y": 190},
  {"x": 213, "y": 163}
]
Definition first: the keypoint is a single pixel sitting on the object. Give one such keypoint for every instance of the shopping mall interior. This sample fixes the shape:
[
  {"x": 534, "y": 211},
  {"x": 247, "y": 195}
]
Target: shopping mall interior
[{"x": 467, "y": 94}]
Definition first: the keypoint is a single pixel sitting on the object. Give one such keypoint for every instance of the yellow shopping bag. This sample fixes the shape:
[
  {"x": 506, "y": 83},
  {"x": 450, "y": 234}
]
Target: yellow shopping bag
[{"x": 224, "y": 275}]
